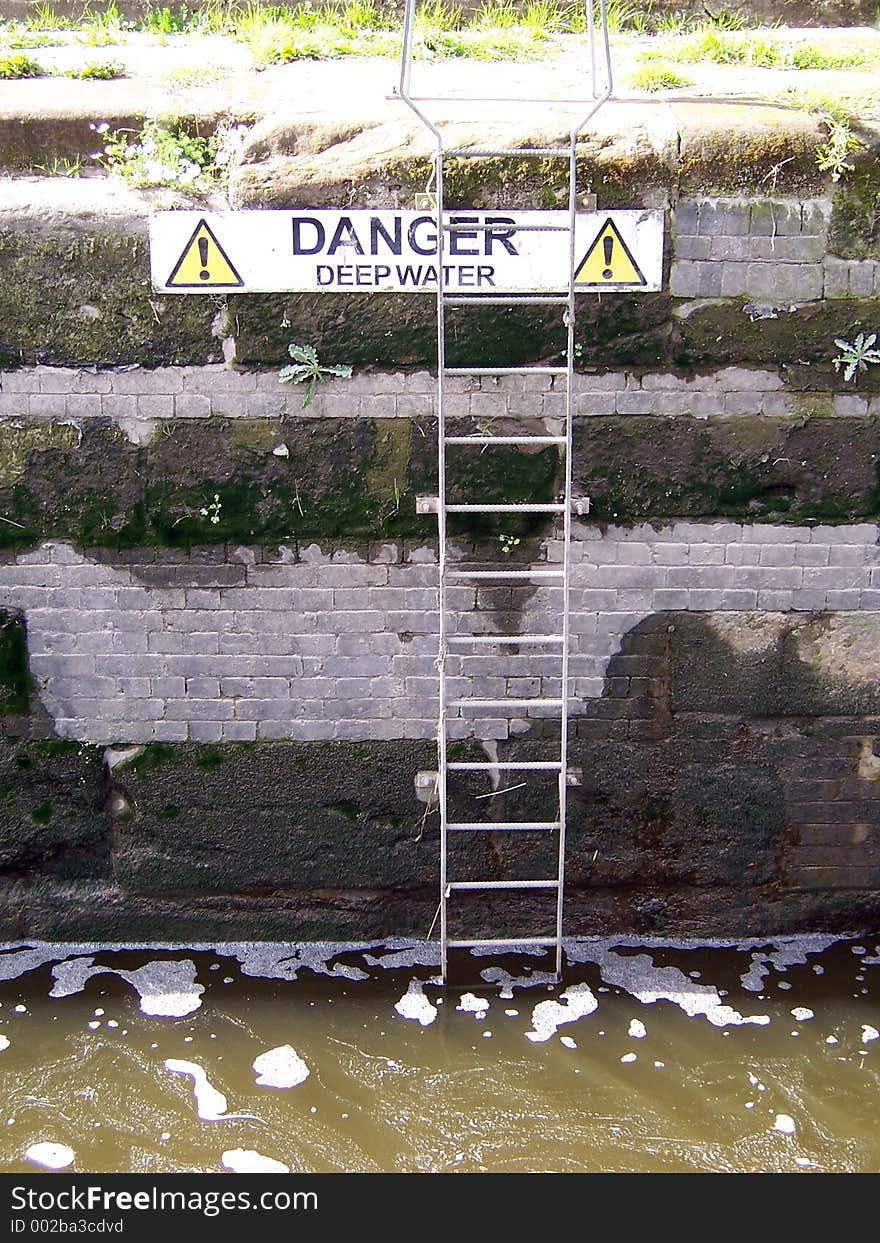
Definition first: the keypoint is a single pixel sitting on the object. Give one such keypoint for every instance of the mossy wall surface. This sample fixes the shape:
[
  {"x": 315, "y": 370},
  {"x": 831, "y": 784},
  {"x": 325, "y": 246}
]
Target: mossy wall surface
[
  {"x": 357, "y": 480},
  {"x": 752, "y": 468}
]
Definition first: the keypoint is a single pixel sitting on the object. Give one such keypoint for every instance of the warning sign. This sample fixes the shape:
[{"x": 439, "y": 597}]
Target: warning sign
[
  {"x": 609, "y": 262},
  {"x": 203, "y": 263},
  {"x": 317, "y": 250}
]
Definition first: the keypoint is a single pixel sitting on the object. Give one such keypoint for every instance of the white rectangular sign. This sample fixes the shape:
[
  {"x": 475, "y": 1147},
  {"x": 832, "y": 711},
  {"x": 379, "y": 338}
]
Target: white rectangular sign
[{"x": 337, "y": 251}]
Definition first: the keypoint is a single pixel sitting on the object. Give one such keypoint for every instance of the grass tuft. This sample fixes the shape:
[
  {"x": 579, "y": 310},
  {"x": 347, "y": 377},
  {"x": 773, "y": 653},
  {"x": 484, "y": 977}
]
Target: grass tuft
[
  {"x": 658, "y": 76},
  {"x": 98, "y": 71}
]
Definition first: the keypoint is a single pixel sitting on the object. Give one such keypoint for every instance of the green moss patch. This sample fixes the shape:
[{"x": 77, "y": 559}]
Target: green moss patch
[
  {"x": 15, "y": 679},
  {"x": 723, "y": 332},
  {"x": 855, "y": 218},
  {"x": 70, "y": 299},
  {"x": 749, "y": 468}
]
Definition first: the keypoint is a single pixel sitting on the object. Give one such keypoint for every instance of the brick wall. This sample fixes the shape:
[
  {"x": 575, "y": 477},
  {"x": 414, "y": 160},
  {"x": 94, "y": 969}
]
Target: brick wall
[
  {"x": 223, "y": 645},
  {"x": 137, "y": 400},
  {"x": 774, "y": 250}
]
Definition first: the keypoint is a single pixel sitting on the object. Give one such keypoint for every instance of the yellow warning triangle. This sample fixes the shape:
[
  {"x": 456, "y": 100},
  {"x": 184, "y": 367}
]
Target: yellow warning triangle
[
  {"x": 203, "y": 263},
  {"x": 609, "y": 261}
]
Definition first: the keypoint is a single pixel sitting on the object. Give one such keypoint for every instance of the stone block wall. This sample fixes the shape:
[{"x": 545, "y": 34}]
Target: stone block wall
[{"x": 225, "y": 721}]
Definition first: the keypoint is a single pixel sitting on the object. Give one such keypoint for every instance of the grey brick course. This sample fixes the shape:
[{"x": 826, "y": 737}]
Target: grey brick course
[{"x": 338, "y": 645}]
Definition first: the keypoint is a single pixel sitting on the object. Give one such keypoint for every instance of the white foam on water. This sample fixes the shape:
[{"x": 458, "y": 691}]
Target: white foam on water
[
  {"x": 4, "y": 1043},
  {"x": 568, "y": 1042},
  {"x": 802, "y": 1014},
  {"x": 639, "y": 976},
  {"x": 167, "y": 989},
  {"x": 16, "y": 960},
  {"x": 512, "y": 1014},
  {"x": 271, "y": 961},
  {"x": 628, "y": 1057},
  {"x": 247, "y": 1161},
  {"x": 869, "y": 1033},
  {"x": 785, "y": 1124},
  {"x": 753, "y": 979},
  {"x": 784, "y": 953},
  {"x": 547, "y": 1016},
  {"x": 281, "y": 1067},
  {"x": 406, "y": 954},
  {"x": 210, "y": 1103},
  {"x": 510, "y": 947},
  {"x": 469, "y": 1003},
  {"x": 637, "y": 1029},
  {"x": 415, "y": 1005},
  {"x": 50, "y": 1156},
  {"x": 508, "y": 982},
  {"x": 831, "y": 1040}
]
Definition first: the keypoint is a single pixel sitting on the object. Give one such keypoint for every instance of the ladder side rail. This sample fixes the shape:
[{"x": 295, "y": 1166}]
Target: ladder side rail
[
  {"x": 441, "y": 552},
  {"x": 570, "y": 317},
  {"x": 566, "y": 546},
  {"x": 404, "y": 92}
]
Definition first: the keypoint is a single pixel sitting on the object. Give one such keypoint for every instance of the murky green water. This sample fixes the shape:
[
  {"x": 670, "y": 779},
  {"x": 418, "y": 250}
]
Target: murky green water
[{"x": 742, "y": 1058}]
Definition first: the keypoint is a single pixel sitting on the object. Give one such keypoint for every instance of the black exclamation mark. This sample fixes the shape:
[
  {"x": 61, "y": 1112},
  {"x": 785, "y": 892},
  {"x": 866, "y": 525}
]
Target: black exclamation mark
[
  {"x": 608, "y": 247},
  {"x": 205, "y": 275}
]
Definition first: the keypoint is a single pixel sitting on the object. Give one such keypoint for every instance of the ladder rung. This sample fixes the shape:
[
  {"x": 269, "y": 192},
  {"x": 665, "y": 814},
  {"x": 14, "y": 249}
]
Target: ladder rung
[
  {"x": 467, "y": 153},
  {"x": 512, "y": 765},
  {"x": 504, "y": 638},
  {"x": 504, "y": 826},
  {"x": 510, "y": 942},
  {"x": 490, "y": 371},
  {"x": 479, "y": 299},
  {"x": 505, "y": 703},
  {"x": 503, "y": 884},
  {"x": 523, "y": 508},
  {"x": 461, "y": 227},
  {"x": 506, "y": 573},
  {"x": 505, "y": 440}
]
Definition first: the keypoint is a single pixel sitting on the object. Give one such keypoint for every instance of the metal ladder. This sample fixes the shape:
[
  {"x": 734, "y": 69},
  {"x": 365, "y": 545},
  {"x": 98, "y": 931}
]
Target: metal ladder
[{"x": 449, "y": 574}]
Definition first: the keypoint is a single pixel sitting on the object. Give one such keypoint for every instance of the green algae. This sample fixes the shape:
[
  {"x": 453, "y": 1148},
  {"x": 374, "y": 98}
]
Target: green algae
[{"x": 16, "y": 683}]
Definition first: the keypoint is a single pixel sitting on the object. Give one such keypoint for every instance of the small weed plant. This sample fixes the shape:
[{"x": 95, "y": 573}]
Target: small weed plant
[
  {"x": 306, "y": 369},
  {"x": 19, "y": 66},
  {"x": 856, "y": 356},
  {"x": 211, "y": 510},
  {"x": 60, "y": 167},
  {"x": 833, "y": 156},
  {"x": 98, "y": 71},
  {"x": 160, "y": 155}
]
